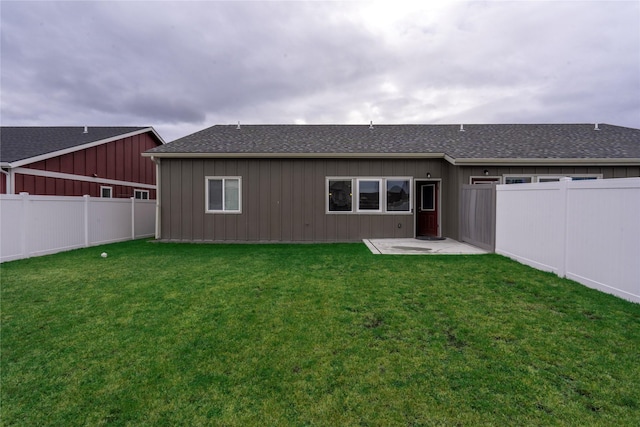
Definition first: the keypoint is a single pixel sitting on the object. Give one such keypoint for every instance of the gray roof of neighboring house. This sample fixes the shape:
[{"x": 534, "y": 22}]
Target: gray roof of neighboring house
[
  {"x": 493, "y": 141},
  {"x": 20, "y": 143}
]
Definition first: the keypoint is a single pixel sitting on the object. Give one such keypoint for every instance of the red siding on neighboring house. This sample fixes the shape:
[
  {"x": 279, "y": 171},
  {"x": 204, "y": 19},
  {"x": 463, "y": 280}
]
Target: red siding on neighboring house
[
  {"x": 119, "y": 160},
  {"x": 3, "y": 184}
]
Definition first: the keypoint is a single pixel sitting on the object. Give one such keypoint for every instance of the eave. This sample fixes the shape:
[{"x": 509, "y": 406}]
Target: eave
[
  {"x": 545, "y": 162},
  {"x": 452, "y": 160},
  {"x": 294, "y": 155}
]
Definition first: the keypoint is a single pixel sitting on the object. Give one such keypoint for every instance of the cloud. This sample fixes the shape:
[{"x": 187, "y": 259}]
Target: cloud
[{"x": 183, "y": 66}]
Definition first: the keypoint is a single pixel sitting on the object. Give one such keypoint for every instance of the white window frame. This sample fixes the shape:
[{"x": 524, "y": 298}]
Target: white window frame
[
  {"x": 409, "y": 179},
  {"x": 328, "y": 190},
  {"x": 355, "y": 195},
  {"x": 506, "y": 177},
  {"x": 484, "y": 179},
  {"x": 143, "y": 193},
  {"x": 106, "y": 187},
  {"x": 223, "y": 179},
  {"x": 558, "y": 177},
  {"x": 381, "y": 195},
  {"x": 434, "y": 200}
]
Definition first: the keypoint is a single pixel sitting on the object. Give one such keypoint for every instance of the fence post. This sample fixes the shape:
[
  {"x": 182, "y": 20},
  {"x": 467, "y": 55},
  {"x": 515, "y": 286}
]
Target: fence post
[
  {"x": 133, "y": 218},
  {"x": 564, "y": 184},
  {"x": 24, "y": 251},
  {"x": 86, "y": 220}
]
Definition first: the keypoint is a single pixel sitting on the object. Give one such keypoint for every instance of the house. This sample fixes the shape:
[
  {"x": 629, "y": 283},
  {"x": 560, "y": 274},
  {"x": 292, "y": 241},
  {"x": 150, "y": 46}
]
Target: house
[
  {"x": 330, "y": 183},
  {"x": 74, "y": 161}
]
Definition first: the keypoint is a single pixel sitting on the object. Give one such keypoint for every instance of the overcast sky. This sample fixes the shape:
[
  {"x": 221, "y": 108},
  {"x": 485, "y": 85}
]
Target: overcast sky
[{"x": 184, "y": 66}]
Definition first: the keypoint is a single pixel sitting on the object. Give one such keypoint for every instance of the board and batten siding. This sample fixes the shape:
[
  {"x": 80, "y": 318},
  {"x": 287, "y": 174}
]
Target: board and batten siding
[
  {"x": 283, "y": 200},
  {"x": 119, "y": 160}
]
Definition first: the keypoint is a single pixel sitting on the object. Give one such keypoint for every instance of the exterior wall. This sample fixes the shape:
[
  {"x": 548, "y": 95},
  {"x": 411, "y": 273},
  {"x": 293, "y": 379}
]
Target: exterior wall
[
  {"x": 460, "y": 176},
  {"x": 119, "y": 160},
  {"x": 466, "y": 172},
  {"x": 3, "y": 183},
  {"x": 283, "y": 200}
]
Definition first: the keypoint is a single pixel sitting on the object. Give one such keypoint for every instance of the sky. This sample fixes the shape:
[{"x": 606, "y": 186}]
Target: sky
[{"x": 182, "y": 66}]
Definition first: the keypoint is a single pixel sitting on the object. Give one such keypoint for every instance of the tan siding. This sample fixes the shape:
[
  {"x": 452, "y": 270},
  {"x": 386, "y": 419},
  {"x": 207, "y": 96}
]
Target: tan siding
[{"x": 285, "y": 199}]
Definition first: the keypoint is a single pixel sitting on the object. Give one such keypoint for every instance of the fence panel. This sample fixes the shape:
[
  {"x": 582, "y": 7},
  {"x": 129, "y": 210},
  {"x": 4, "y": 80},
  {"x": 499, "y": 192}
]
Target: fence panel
[
  {"x": 116, "y": 213},
  {"x": 143, "y": 226},
  {"x": 11, "y": 226},
  {"x": 588, "y": 231},
  {"x": 478, "y": 215},
  {"x": 39, "y": 225},
  {"x": 603, "y": 236}
]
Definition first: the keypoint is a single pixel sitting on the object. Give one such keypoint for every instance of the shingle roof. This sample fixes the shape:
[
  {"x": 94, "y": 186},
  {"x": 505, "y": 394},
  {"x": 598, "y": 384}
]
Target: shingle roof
[
  {"x": 499, "y": 141},
  {"x": 19, "y": 143}
]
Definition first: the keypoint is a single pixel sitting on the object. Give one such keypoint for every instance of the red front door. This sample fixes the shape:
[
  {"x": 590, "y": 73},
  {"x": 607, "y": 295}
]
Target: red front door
[{"x": 427, "y": 205}]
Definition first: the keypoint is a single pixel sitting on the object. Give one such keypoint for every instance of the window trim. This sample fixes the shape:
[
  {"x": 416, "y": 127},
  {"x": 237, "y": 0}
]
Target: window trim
[
  {"x": 508, "y": 176},
  {"x": 106, "y": 187},
  {"x": 433, "y": 199},
  {"x": 355, "y": 195},
  {"x": 381, "y": 196},
  {"x": 142, "y": 192},
  {"x": 328, "y": 190},
  {"x": 484, "y": 179},
  {"x": 223, "y": 179},
  {"x": 386, "y": 190}
]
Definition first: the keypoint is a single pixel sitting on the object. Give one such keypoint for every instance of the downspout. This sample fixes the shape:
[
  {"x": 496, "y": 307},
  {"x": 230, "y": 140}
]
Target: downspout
[{"x": 158, "y": 218}]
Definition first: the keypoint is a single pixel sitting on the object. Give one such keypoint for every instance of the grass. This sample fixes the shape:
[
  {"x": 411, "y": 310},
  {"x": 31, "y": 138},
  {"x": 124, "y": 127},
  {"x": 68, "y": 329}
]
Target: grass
[{"x": 323, "y": 335}]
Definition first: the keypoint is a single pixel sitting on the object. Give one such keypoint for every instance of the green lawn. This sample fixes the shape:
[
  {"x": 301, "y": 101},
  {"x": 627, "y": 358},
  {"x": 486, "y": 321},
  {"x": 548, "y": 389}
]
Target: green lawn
[{"x": 328, "y": 335}]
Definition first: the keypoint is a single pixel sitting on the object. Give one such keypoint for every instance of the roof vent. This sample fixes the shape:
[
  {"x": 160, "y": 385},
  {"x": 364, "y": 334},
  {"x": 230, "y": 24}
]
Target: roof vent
[
  {"x": 461, "y": 128},
  {"x": 371, "y": 124},
  {"x": 86, "y": 129},
  {"x": 238, "y": 127},
  {"x": 596, "y": 128}
]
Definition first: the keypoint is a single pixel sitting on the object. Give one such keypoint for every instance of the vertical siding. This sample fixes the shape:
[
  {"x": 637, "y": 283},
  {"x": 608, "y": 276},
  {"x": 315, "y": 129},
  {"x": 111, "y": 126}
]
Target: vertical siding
[
  {"x": 119, "y": 160},
  {"x": 282, "y": 200}
]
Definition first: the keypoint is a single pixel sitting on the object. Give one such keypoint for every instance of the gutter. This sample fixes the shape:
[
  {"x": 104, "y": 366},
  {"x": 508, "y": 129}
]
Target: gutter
[
  {"x": 158, "y": 192},
  {"x": 544, "y": 162},
  {"x": 295, "y": 155},
  {"x": 448, "y": 158}
]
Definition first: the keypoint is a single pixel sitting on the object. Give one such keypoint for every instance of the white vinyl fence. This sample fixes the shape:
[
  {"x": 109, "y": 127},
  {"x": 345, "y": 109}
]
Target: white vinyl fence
[
  {"x": 587, "y": 231},
  {"x": 39, "y": 225}
]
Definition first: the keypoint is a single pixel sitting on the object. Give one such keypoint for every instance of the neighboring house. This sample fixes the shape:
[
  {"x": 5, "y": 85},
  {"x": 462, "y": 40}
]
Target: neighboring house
[
  {"x": 326, "y": 183},
  {"x": 74, "y": 161}
]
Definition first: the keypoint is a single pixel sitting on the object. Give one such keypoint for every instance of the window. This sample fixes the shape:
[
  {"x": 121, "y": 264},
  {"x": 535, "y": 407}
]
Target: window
[
  {"x": 369, "y": 195},
  {"x": 106, "y": 192},
  {"x": 485, "y": 180},
  {"x": 141, "y": 194},
  {"x": 398, "y": 195},
  {"x": 223, "y": 195},
  {"x": 548, "y": 178},
  {"x": 340, "y": 195},
  {"x": 518, "y": 179},
  {"x": 574, "y": 177},
  {"x": 428, "y": 197}
]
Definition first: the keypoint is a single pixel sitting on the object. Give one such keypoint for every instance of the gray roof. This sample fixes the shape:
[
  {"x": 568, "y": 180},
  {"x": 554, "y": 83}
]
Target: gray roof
[
  {"x": 20, "y": 143},
  {"x": 494, "y": 141}
]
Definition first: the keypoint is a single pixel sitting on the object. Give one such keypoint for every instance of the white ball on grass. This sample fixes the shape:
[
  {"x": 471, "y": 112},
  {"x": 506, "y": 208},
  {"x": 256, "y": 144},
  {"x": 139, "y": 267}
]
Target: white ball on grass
[{"x": 103, "y": 254}]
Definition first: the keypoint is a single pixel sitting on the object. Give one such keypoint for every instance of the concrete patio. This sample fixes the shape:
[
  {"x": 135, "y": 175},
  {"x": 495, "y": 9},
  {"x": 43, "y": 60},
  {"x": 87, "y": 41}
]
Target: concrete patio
[{"x": 420, "y": 247}]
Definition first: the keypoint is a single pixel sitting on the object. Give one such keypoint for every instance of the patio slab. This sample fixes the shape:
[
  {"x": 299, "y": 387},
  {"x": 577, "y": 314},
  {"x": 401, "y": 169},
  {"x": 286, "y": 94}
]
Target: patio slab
[{"x": 421, "y": 247}]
